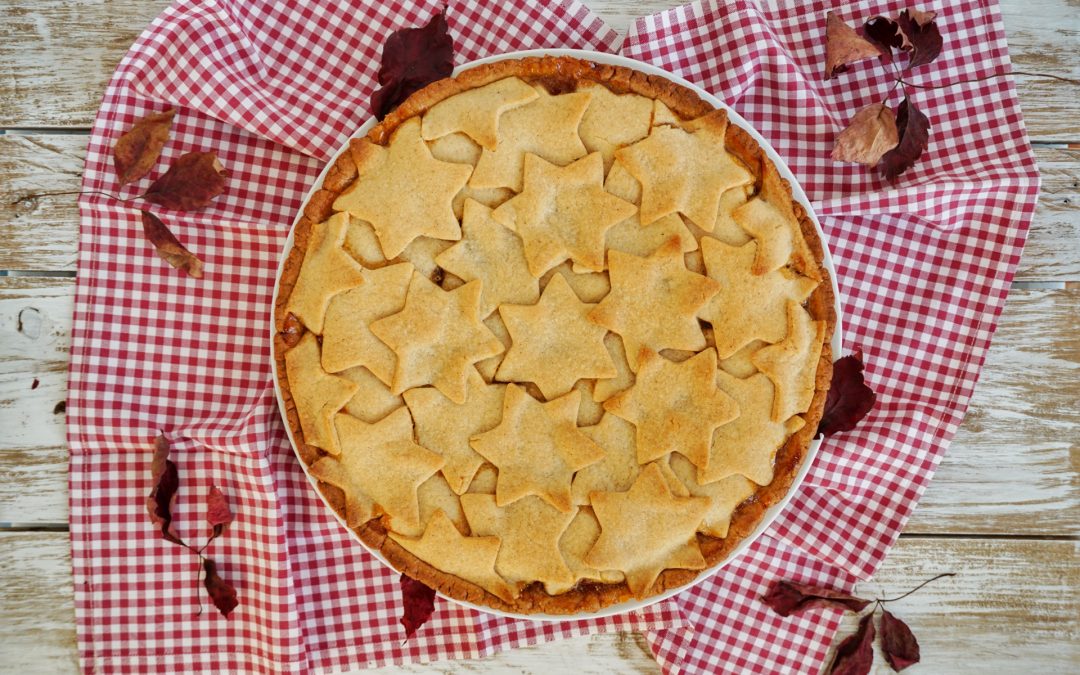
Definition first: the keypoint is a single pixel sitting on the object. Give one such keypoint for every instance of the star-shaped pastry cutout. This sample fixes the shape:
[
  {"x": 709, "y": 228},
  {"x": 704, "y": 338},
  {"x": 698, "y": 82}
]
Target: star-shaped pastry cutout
[
  {"x": 646, "y": 530},
  {"x": 530, "y": 530},
  {"x": 318, "y": 395},
  {"x": 546, "y": 127},
  {"x": 437, "y": 337},
  {"x": 770, "y": 220},
  {"x": 446, "y": 427},
  {"x": 468, "y": 558},
  {"x": 563, "y": 212},
  {"x": 367, "y": 450},
  {"x": 403, "y": 191},
  {"x": 747, "y": 445},
  {"x": 675, "y": 406},
  {"x": 372, "y": 400},
  {"x": 749, "y": 306},
  {"x": 630, "y": 236},
  {"x": 603, "y": 389},
  {"x": 553, "y": 343},
  {"x": 490, "y": 252},
  {"x": 654, "y": 301},
  {"x": 347, "y": 338},
  {"x": 359, "y": 508},
  {"x": 326, "y": 271},
  {"x": 684, "y": 172},
  {"x": 537, "y": 448},
  {"x": 618, "y": 469},
  {"x": 476, "y": 112},
  {"x": 793, "y": 363},
  {"x": 724, "y": 495},
  {"x": 575, "y": 544},
  {"x": 613, "y": 120}
]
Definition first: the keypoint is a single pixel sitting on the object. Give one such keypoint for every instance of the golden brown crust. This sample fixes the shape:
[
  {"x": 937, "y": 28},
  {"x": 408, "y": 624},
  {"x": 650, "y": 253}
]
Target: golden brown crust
[{"x": 559, "y": 74}]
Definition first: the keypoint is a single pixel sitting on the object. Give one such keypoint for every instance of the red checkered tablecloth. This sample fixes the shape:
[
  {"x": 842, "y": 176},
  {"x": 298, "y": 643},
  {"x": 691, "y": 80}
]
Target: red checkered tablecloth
[{"x": 275, "y": 88}]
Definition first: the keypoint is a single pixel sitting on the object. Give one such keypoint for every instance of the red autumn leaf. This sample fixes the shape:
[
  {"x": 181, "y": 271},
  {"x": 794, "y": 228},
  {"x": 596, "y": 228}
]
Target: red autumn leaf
[
  {"x": 914, "y": 131},
  {"x": 169, "y": 247},
  {"x": 922, "y": 35},
  {"x": 898, "y": 643},
  {"x": 411, "y": 59},
  {"x": 844, "y": 46},
  {"x": 855, "y": 655},
  {"x": 162, "y": 496},
  {"x": 788, "y": 598},
  {"x": 885, "y": 34},
  {"x": 419, "y": 601},
  {"x": 136, "y": 152},
  {"x": 191, "y": 182},
  {"x": 217, "y": 510},
  {"x": 849, "y": 398},
  {"x": 870, "y": 134},
  {"x": 221, "y": 592}
]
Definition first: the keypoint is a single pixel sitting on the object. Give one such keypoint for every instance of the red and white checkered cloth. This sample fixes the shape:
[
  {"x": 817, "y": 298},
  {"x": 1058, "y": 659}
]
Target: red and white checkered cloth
[{"x": 275, "y": 88}]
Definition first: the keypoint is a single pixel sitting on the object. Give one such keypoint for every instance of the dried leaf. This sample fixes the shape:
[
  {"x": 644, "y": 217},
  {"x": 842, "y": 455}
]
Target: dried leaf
[
  {"x": 136, "y": 152},
  {"x": 217, "y": 510},
  {"x": 411, "y": 59},
  {"x": 191, "y": 182},
  {"x": 855, "y": 655},
  {"x": 788, "y": 598},
  {"x": 849, "y": 398},
  {"x": 844, "y": 46},
  {"x": 419, "y": 601},
  {"x": 914, "y": 130},
  {"x": 221, "y": 592},
  {"x": 898, "y": 643},
  {"x": 885, "y": 34},
  {"x": 922, "y": 35},
  {"x": 169, "y": 247},
  {"x": 165, "y": 481},
  {"x": 870, "y": 134}
]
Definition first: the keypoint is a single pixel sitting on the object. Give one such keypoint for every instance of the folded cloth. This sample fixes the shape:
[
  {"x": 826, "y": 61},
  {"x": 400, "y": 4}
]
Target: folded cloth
[{"x": 274, "y": 89}]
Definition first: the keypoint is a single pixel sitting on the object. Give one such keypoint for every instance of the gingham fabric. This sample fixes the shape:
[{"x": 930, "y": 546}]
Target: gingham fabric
[{"x": 274, "y": 88}]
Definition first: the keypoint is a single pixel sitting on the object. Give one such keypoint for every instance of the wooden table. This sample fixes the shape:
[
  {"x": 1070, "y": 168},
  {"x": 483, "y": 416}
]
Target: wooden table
[{"x": 1002, "y": 511}]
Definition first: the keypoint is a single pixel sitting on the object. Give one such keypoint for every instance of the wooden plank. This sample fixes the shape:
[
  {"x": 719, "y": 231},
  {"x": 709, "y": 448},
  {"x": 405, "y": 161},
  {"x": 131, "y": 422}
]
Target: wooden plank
[
  {"x": 56, "y": 56},
  {"x": 1011, "y": 468},
  {"x": 41, "y": 233},
  {"x": 1012, "y": 602}
]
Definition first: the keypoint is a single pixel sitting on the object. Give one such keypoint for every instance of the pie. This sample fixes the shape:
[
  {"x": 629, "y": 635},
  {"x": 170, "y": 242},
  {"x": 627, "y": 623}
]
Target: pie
[{"x": 553, "y": 336}]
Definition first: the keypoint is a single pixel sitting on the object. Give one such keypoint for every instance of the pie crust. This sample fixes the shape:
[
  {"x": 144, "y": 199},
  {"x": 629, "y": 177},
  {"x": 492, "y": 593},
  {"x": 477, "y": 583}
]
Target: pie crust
[{"x": 636, "y": 518}]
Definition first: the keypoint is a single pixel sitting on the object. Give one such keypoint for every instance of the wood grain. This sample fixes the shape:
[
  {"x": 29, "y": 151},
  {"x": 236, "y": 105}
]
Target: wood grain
[
  {"x": 1012, "y": 602},
  {"x": 41, "y": 233}
]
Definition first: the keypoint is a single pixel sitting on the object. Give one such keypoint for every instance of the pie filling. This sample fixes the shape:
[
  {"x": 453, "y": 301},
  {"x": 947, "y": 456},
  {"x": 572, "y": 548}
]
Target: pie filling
[{"x": 553, "y": 336}]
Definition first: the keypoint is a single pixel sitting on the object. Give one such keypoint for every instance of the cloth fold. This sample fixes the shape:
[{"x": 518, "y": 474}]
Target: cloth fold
[{"x": 275, "y": 89}]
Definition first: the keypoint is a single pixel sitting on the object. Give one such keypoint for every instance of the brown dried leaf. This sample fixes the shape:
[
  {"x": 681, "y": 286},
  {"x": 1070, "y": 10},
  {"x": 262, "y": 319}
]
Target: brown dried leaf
[
  {"x": 885, "y": 33},
  {"x": 843, "y": 46},
  {"x": 788, "y": 597},
  {"x": 855, "y": 655},
  {"x": 169, "y": 247},
  {"x": 898, "y": 643},
  {"x": 136, "y": 152},
  {"x": 419, "y": 604},
  {"x": 166, "y": 481},
  {"x": 191, "y": 182},
  {"x": 914, "y": 130},
  {"x": 871, "y": 133},
  {"x": 217, "y": 510},
  {"x": 922, "y": 35},
  {"x": 221, "y": 592},
  {"x": 849, "y": 398}
]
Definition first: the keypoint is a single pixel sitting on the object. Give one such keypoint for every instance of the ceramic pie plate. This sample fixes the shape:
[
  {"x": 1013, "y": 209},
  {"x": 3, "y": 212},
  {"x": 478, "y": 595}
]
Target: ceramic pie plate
[{"x": 798, "y": 194}]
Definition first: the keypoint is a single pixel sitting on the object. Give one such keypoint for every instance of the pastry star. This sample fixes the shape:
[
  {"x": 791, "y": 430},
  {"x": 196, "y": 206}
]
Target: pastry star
[
  {"x": 476, "y": 112},
  {"x": 367, "y": 450},
  {"x": 326, "y": 271},
  {"x": 553, "y": 344},
  {"x": 613, "y": 120},
  {"x": 769, "y": 218},
  {"x": 563, "y": 212},
  {"x": 403, "y": 191},
  {"x": 747, "y": 445},
  {"x": 347, "y": 338},
  {"x": 546, "y": 127},
  {"x": 792, "y": 364},
  {"x": 684, "y": 172},
  {"x": 675, "y": 406},
  {"x": 537, "y": 448},
  {"x": 317, "y": 394},
  {"x": 618, "y": 469},
  {"x": 630, "y": 236},
  {"x": 446, "y": 427},
  {"x": 724, "y": 495},
  {"x": 494, "y": 255},
  {"x": 470, "y": 558},
  {"x": 654, "y": 301},
  {"x": 749, "y": 306},
  {"x": 437, "y": 337},
  {"x": 646, "y": 530},
  {"x": 530, "y": 530}
]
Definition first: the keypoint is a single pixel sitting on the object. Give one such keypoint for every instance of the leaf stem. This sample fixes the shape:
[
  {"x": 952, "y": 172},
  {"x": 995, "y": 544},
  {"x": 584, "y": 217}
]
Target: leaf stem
[
  {"x": 73, "y": 192},
  {"x": 988, "y": 77},
  {"x": 901, "y": 597}
]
